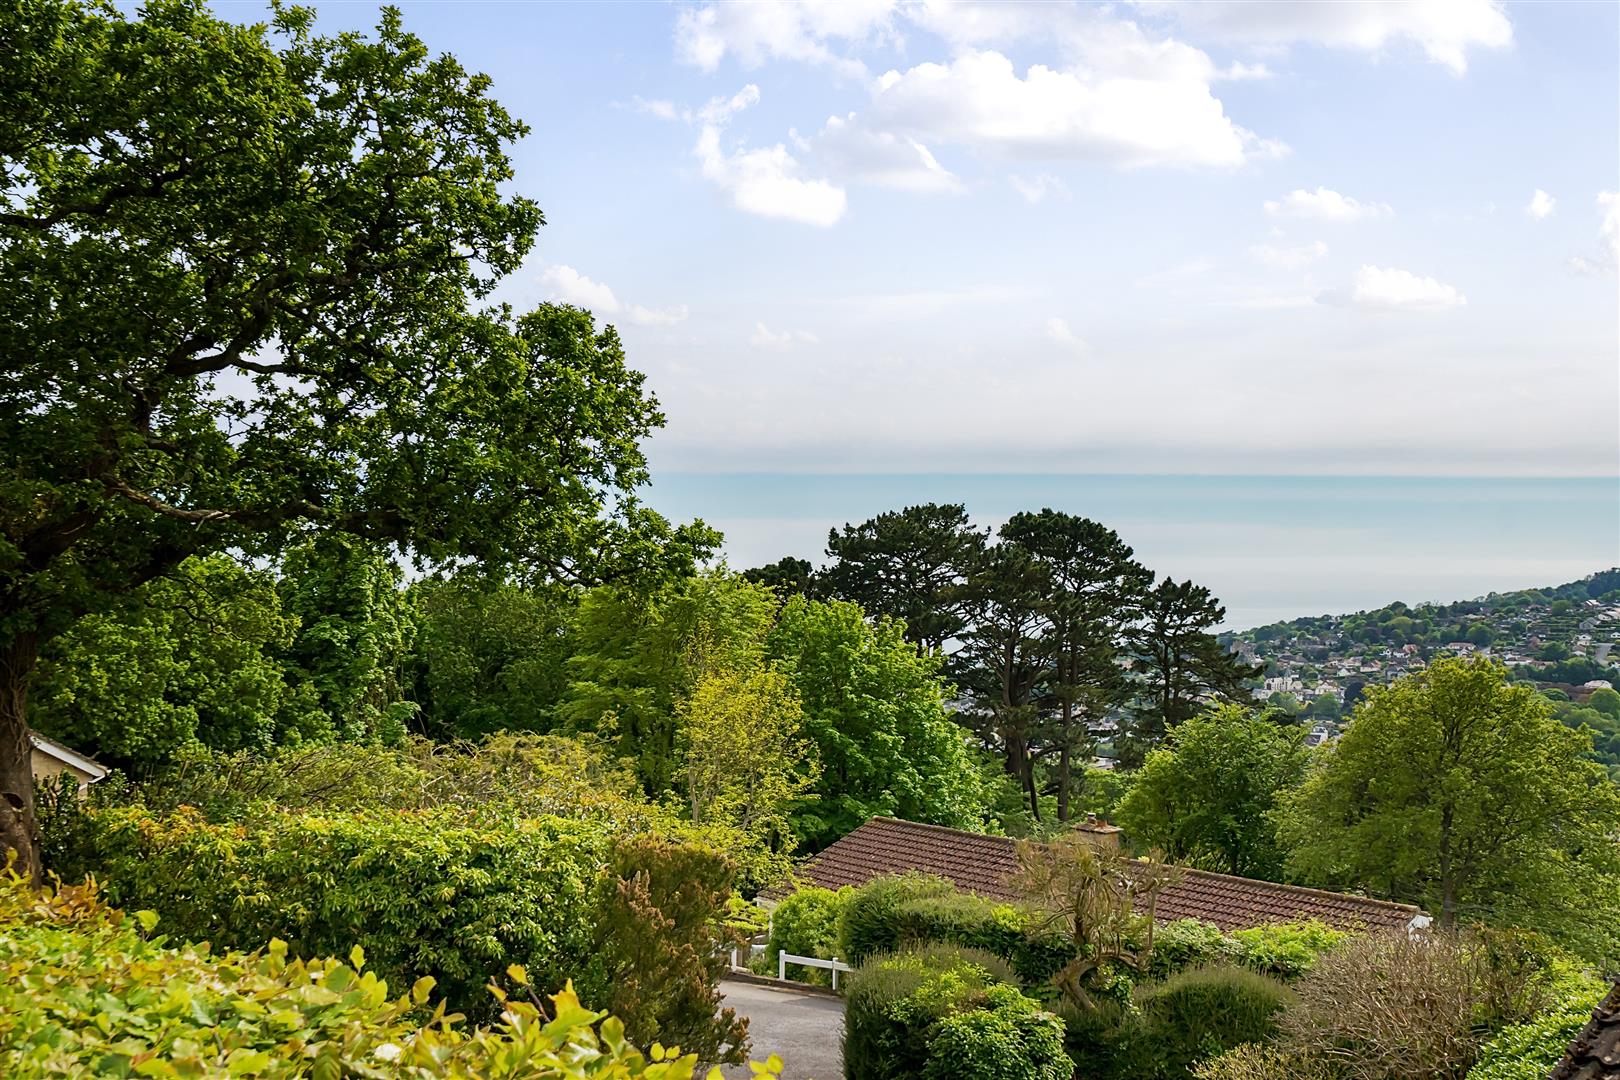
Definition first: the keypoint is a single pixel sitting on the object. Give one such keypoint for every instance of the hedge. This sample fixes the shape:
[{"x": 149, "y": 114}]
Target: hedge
[
  {"x": 891, "y": 913},
  {"x": 1285, "y": 950},
  {"x": 421, "y": 892},
  {"x": 85, "y": 990},
  {"x": 947, "y": 1012},
  {"x": 1529, "y": 1051},
  {"x": 1203, "y": 1012}
]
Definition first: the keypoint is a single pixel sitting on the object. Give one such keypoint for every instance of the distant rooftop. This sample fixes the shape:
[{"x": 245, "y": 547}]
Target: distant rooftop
[{"x": 985, "y": 865}]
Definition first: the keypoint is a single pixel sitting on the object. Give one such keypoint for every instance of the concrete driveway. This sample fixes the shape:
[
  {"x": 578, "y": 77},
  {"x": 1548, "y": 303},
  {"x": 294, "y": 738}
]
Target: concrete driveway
[{"x": 805, "y": 1029}]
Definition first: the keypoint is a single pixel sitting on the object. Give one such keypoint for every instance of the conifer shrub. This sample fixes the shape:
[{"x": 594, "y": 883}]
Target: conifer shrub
[{"x": 869, "y": 924}]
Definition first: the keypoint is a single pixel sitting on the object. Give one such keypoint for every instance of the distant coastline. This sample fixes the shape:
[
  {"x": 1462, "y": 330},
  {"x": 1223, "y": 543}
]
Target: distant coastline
[{"x": 1272, "y": 547}]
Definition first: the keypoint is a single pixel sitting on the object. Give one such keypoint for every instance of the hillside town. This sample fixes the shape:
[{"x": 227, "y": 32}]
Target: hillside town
[{"x": 1560, "y": 639}]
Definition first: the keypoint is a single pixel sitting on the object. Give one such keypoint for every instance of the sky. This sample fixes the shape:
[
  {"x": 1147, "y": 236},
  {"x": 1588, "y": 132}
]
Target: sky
[{"x": 1150, "y": 237}]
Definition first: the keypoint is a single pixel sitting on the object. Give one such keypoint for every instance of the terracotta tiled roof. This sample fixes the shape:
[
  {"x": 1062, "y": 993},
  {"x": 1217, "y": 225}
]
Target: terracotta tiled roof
[
  {"x": 1595, "y": 1053},
  {"x": 985, "y": 865}
]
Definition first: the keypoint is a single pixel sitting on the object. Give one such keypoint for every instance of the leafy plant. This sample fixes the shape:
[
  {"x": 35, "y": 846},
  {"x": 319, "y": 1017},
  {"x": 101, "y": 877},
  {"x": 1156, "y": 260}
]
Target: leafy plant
[
  {"x": 87, "y": 991},
  {"x": 1286, "y": 950},
  {"x": 1196, "y": 1014},
  {"x": 805, "y": 923}
]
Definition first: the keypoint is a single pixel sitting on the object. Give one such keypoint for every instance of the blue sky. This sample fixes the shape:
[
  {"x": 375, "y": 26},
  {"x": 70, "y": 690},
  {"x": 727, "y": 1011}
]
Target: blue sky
[{"x": 1151, "y": 237}]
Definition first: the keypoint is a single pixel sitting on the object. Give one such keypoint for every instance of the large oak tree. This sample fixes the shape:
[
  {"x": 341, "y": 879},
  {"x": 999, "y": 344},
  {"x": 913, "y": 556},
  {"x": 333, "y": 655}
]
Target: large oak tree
[{"x": 247, "y": 275}]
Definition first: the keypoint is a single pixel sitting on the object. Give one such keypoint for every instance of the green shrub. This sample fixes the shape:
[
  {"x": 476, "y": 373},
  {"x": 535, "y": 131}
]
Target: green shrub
[
  {"x": 1188, "y": 943},
  {"x": 805, "y": 923},
  {"x": 1202, "y": 1012},
  {"x": 1109, "y": 1042},
  {"x": 1256, "y": 1062},
  {"x": 661, "y": 943},
  {"x": 869, "y": 924},
  {"x": 891, "y": 913},
  {"x": 896, "y": 1002},
  {"x": 1008, "y": 1037},
  {"x": 87, "y": 993},
  {"x": 1286, "y": 950},
  {"x": 1528, "y": 1051}
]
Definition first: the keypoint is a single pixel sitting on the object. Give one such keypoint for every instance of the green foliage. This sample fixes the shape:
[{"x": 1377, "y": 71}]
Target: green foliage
[
  {"x": 805, "y": 923},
  {"x": 1009, "y": 1037},
  {"x": 1455, "y": 789},
  {"x": 1286, "y": 950},
  {"x": 637, "y": 657},
  {"x": 1256, "y": 1062},
  {"x": 875, "y": 708},
  {"x": 489, "y": 656},
  {"x": 1530, "y": 1050},
  {"x": 247, "y": 268},
  {"x": 869, "y": 924},
  {"x": 422, "y": 893},
  {"x": 661, "y": 942},
  {"x": 186, "y": 660},
  {"x": 88, "y": 991},
  {"x": 355, "y": 631},
  {"x": 1202, "y": 1012},
  {"x": 1206, "y": 797},
  {"x": 899, "y": 1005},
  {"x": 744, "y": 765},
  {"x": 1188, "y": 943},
  {"x": 1182, "y": 662}
]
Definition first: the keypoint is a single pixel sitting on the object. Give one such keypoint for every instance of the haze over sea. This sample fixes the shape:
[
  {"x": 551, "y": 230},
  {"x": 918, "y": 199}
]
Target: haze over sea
[{"x": 1271, "y": 547}]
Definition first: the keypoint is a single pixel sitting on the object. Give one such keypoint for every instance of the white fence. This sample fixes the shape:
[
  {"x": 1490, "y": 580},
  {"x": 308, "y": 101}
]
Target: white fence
[{"x": 834, "y": 965}]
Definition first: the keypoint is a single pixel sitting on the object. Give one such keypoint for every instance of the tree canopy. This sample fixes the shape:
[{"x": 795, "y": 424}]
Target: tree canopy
[
  {"x": 1455, "y": 789},
  {"x": 246, "y": 275}
]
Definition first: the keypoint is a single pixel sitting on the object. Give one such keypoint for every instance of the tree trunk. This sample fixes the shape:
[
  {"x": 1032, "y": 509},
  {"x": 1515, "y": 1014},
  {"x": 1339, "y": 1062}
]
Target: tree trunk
[
  {"x": 1448, "y": 880},
  {"x": 18, "y": 830}
]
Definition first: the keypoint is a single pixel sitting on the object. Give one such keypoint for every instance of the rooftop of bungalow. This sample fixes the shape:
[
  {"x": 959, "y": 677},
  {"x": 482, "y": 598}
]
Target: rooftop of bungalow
[{"x": 985, "y": 865}]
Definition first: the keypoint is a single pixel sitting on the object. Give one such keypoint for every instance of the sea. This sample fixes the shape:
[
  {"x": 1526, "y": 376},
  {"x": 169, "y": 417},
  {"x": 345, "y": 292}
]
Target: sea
[{"x": 1271, "y": 547}]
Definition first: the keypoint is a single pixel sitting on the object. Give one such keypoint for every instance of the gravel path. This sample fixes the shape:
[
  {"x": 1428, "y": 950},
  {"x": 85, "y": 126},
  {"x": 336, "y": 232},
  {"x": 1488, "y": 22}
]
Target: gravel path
[{"x": 805, "y": 1029}]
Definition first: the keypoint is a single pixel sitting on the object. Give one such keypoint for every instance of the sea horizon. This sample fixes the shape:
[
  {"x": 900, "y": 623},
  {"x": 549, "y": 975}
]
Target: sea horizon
[{"x": 1272, "y": 547}]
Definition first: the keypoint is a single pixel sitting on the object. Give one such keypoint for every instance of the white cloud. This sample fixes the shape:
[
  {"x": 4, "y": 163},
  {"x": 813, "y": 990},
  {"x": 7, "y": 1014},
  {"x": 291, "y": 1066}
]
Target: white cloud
[
  {"x": 764, "y": 181},
  {"x": 764, "y": 337},
  {"x": 664, "y": 110},
  {"x": 1608, "y": 257},
  {"x": 779, "y": 30},
  {"x": 570, "y": 286},
  {"x": 1164, "y": 117},
  {"x": 1388, "y": 289},
  {"x": 1057, "y": 330},
  {"x": 1288, "y": 258},
  {"x": 1446, "y": 30},
  {"x": 1541, "y": 205},
  {"x": 1241, "y": 72},
  {"x": 851, "y": 151},
  {"x": 1039, "y": 187},
  {"x": 1325, "y": 204}
]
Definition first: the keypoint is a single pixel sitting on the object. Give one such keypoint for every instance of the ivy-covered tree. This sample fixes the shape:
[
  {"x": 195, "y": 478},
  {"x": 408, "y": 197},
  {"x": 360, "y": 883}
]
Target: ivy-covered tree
[{"x": 246, "y": 271}]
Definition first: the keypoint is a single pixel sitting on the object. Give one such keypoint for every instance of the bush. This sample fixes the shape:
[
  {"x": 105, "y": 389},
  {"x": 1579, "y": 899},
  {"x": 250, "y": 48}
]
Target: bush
[
  {"x": 1109, "y": 1042},
  {"x": 88, "y": 994},
  {"x": 890, "y": 913},
  {"x": 1188, "y": 943},
  {"x": 869, "y": 924},
  {"x": 1009, "y": 1037},
  {"x": 805, "y": 923},
  {"x": 1286, "y": 950},
  {"x": 1202, "y": 1012},
  {"x": 896, "y": 1003},
  {"x": 1254, "y": 1062},
  {"x": 1392, "y": 1007},
  {"x": 661, "y": 945},
  {"x": 1530, "y": 1050}
]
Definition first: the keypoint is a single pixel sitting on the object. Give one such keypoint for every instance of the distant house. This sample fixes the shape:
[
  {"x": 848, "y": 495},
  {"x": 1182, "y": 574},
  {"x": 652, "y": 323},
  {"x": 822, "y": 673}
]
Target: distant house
[
  {"x": 1597, "y": 684},
  {"x": 1595, "y": 1053},
  {"x": 985, "y": 865},
  {"x": 51, "y": 759}
]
